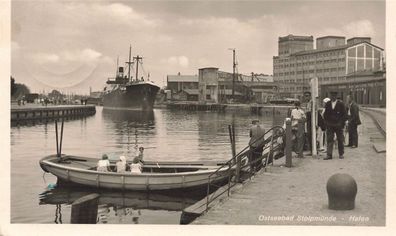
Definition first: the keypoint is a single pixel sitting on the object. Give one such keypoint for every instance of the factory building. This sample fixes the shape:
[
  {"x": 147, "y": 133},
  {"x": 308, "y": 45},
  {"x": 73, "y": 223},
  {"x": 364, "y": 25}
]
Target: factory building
[{"x": 332, "y": 61}]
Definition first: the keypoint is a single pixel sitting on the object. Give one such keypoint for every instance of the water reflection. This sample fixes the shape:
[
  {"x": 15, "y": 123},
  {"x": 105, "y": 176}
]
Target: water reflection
[
  {"x": 117, "y": 206},
  {"x": 129, "y": 126},
  {"x": 134, "y": 118}
]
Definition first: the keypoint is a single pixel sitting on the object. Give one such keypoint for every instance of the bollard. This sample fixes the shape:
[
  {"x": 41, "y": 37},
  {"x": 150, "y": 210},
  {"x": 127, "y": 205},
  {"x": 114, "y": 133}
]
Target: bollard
[
  {"x": 85, "y": 210},
  {"x": 288, "y": 145},
  {"x": 341, "y": 190},
  {"x": 300, "y": 138}
]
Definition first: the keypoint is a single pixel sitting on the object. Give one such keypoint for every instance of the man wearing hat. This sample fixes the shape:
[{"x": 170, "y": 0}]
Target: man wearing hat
[
  {"x": 256, "y": 144},
  {"x": 335, "y": 117},
  {"x": 353, "y": 122}
]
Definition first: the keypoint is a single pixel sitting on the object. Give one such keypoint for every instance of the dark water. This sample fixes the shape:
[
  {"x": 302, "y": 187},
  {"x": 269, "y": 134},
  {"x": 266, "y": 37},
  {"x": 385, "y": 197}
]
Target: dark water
[{"x": 165, "y": 134}]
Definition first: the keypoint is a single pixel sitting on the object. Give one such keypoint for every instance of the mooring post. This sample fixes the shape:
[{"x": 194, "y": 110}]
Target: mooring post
[
  {"x": 288, "y": 146},
  {"x": 85, "y": 210},
  {"x": 341, "y": 191}
]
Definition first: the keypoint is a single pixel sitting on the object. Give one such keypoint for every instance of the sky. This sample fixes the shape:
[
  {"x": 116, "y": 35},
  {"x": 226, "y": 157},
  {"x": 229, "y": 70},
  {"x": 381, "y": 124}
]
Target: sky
[{"x": 73, "y": 45}]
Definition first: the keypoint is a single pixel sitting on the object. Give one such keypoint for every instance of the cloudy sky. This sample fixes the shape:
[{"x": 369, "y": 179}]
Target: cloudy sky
[{"x": 73, "y": 45}]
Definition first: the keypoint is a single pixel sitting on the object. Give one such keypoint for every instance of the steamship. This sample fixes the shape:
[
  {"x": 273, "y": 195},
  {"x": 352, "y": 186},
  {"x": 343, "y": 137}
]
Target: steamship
[{"x": 126, "y": 92}]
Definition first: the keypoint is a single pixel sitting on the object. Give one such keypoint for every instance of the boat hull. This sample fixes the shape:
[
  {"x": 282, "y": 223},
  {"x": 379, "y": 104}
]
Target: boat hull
[
  {"x": 140, "y": 96},
  {"x": 198, "y": 176}
]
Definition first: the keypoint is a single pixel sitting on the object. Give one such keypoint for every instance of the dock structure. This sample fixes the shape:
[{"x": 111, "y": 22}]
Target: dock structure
[
  {"x": 262, "y": 109},
  {"x": 297, "y": 196},
  {"x": 196, "y": 106},
  {"x": 41, "y": 113}
]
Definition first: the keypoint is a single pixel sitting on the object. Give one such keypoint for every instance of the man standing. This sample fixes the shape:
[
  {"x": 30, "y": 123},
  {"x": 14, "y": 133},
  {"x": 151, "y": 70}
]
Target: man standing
[
  {"x": 353, "y": 122},
  {"x": 335, "y": 117},
  {"x": 298, "y": 116},
  {"x": 256, "y": 144}
]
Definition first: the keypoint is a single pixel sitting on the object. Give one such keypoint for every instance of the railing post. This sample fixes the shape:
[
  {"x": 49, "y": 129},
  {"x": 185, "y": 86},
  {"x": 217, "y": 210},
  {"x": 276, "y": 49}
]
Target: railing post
[
  {"x": 207, "y": 194},
  {"x": 232, "y": 141},
  {"x": 288, "y": 147},
  {"x": 238, "y": 168},
  {"x": 229, "y": 177}
]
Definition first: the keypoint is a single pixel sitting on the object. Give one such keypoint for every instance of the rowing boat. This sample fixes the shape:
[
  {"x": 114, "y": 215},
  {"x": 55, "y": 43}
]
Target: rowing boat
[{"x": 155, "y": 175}]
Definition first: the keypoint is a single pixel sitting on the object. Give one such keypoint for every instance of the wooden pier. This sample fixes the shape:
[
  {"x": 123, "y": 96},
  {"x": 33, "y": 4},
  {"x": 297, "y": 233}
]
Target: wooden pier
[
  {"x": 42, "y": 113},
  {"x": 196, "y": 106},
  {"x": 263, "y": 109}
]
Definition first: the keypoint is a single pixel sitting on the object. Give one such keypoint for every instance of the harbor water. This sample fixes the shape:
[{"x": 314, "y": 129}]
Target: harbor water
[{"x": 169, "y": 135}]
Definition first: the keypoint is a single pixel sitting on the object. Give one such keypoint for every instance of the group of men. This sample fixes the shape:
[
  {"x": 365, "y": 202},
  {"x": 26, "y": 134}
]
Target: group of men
[{"x": 335, "y": 117}]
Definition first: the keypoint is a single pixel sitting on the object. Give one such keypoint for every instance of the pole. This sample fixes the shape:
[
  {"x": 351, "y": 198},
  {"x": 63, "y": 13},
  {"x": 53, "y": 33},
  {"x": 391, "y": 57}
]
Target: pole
[
  {"x": 288, "y": 146},
  {"x": 129, "y": 63},
  {"x": 230, "y": 131},
  {"x": 314, "y": 94},
  {"x": 61, "y": 138},
  {"x": 233, "y": 73},
  {"x": 56, "y": 133}
]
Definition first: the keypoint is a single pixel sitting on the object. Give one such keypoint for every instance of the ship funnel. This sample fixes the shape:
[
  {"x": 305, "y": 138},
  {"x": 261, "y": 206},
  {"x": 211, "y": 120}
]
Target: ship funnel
[{"x": 121, "y": 71}]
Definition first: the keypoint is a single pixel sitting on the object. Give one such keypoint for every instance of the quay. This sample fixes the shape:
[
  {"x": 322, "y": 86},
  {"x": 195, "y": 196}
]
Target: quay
[
  {"x": 297, "y": 195},
  {"x": 264, "y": 109},
  {"x": 34, "y": 112}
]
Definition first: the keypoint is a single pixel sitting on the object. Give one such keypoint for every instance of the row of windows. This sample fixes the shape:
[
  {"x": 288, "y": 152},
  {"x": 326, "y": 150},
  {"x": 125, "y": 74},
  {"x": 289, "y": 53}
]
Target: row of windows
[
  {"x": 340, "y": 69},
  {"x": 321, "y": 79},
  {"x": 312, "y": 56},
  {"x": 308, "y": 63}
]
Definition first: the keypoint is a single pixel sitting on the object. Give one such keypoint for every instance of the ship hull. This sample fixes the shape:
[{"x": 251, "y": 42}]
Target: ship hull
[{"x": 132, "y": 97}]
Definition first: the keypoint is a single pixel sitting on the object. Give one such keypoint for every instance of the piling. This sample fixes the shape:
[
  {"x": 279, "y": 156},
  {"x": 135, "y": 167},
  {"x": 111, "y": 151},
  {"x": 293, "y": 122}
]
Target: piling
[{"x": 85, "y": 210}]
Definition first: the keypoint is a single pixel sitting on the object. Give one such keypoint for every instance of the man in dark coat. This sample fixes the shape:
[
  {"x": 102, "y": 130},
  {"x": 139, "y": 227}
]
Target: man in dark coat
[
  {"x": 353, "y": 122},
  {"x": 256, "y": 144},
  {"x": 335, "y": 117}
]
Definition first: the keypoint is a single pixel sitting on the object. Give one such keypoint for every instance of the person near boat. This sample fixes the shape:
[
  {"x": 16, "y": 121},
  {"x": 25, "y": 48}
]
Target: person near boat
[
  {"x": 139, "y": 154},
  {"x": 104, "y": 164},
  {"x": 136, "y": 166},
  {"x": 256, "y": 144},
  {"x": 121, "y": 165}
]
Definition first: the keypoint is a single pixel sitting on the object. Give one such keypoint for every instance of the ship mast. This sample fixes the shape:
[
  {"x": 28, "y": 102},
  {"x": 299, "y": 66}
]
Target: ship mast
[
  {"x": 137, "y": 58},
  {"x": 129, "y": 63},
  {"x": 117, "y": 72}
]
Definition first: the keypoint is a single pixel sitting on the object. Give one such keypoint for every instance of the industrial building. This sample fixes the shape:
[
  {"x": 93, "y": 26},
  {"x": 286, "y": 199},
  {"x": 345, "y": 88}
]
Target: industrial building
[
  {"x": 214, "y": 86},
  {"x": 332, "y": 61}
]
